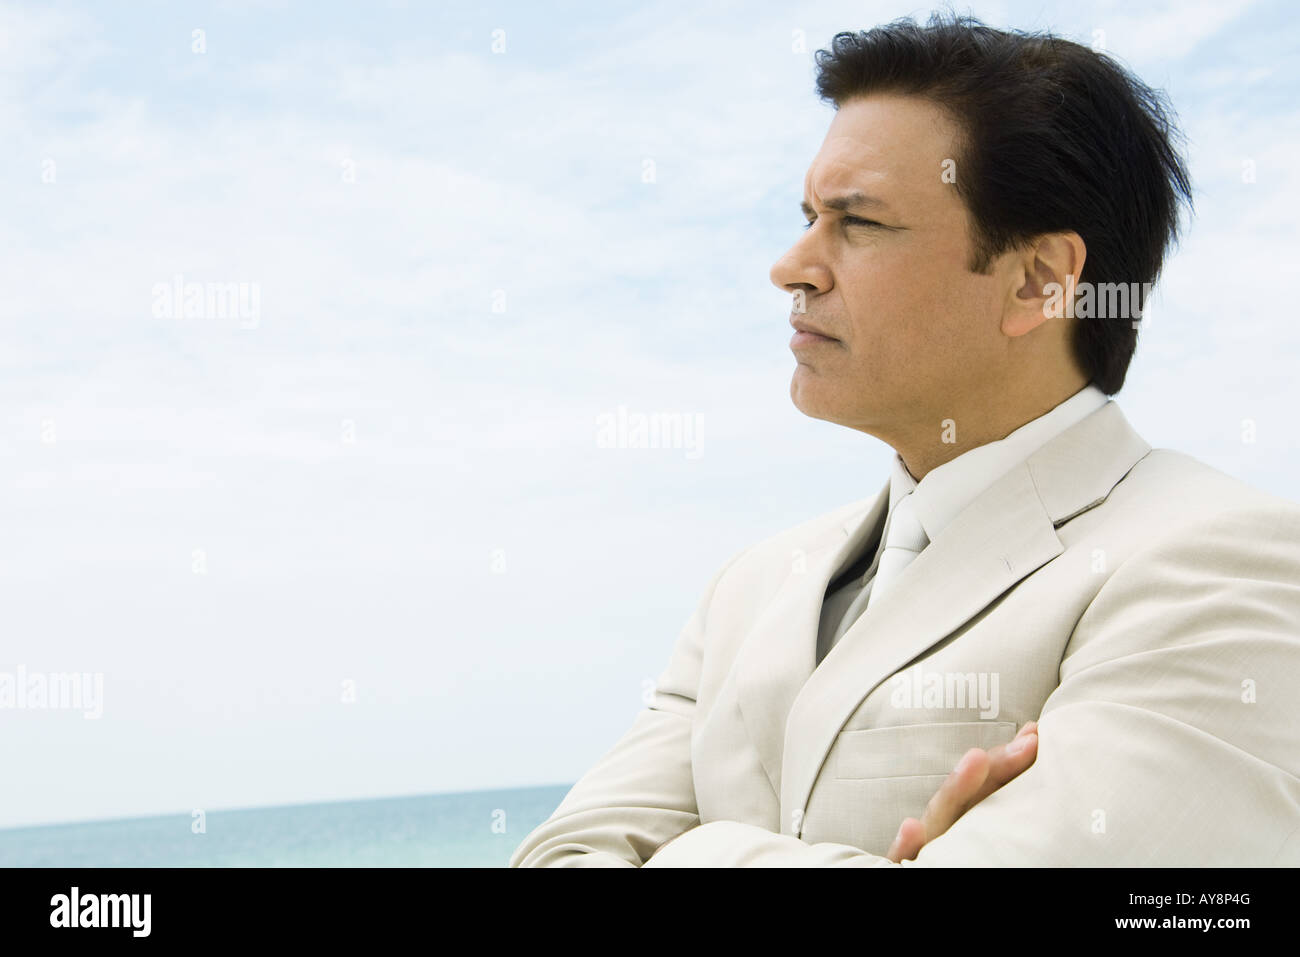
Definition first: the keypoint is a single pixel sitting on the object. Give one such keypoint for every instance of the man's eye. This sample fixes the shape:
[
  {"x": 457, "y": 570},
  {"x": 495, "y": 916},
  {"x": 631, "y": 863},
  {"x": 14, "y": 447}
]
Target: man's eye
[{"x": 849, "y": 221}]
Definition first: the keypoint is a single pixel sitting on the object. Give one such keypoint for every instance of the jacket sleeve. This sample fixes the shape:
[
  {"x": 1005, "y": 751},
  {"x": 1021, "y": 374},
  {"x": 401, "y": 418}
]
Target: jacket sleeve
[
  {"x": 641, "y": 793},
  {"x": 1172, "y": 739}
]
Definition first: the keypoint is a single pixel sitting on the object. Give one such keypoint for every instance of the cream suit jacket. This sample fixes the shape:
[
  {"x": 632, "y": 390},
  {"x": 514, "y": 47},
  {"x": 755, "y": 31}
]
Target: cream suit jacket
[{"x": 1143, "y": 607}]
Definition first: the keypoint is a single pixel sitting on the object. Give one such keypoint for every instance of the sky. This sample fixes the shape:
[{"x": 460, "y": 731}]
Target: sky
[{"x": 362, "y": 518}]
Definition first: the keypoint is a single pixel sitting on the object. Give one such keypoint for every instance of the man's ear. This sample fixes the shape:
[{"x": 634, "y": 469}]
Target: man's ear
[{"x": 1047, "y": 271}]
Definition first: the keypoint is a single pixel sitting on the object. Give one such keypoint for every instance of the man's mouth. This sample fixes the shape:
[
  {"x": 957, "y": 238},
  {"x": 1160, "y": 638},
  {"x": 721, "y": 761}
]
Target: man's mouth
[{"x": 806, "y": 334}]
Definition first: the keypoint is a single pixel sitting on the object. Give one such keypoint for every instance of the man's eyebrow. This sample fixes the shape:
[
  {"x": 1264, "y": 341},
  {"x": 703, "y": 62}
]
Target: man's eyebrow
[{"x": 846, "y": 202}]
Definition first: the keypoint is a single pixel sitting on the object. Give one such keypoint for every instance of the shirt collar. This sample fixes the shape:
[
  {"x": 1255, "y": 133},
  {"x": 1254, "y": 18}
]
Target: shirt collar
[
  {"x": 900, "y": 482},
  {"x": 947, "y": 489}
]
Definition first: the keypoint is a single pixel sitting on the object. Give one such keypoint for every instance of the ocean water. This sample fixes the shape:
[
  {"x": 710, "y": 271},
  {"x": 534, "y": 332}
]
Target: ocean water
[{"x": 469, "y": 829}]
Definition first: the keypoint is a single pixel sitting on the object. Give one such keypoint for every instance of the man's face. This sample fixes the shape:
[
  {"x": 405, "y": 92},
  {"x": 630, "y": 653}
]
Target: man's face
[{"x": 912, "y": 331}]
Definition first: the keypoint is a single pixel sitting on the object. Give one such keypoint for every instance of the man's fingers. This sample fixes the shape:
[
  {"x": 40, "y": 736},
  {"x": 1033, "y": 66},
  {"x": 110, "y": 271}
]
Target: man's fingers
[
  {"x": 956, "y": 793},
  {"x": 1006, "y": 761},
  {"x": 910, "y": 840},
  {"x": 977, "y": 775}
]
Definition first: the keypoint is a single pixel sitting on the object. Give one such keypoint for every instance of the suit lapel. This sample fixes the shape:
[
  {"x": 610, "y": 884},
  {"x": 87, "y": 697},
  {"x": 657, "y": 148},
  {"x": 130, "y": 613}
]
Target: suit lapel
[
  {"x": 991, "y": 545},
  {"x": 794, "y": 712},
  {"x": 780, "y": 652}
]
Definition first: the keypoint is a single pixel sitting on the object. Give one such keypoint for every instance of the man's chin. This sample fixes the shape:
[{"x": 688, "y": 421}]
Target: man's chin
[
  {"x": 807, "y": 395},
  {"x": 817, "y": 398}
]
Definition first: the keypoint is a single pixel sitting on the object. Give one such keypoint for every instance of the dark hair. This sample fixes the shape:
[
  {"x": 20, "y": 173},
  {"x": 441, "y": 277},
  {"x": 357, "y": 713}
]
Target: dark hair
[{"x": 1054, "y": 136}]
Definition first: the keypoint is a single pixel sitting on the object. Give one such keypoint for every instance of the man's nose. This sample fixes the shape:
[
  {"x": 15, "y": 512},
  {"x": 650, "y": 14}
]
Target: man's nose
[
  {"x": 783, "y": 271},
  {"x": 797, "y": 269},
  {"x": 777, "y": 273}
]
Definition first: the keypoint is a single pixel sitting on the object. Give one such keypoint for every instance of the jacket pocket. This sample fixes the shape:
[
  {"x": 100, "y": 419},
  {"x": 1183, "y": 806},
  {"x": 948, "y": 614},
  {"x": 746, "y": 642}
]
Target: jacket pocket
[{"x": 910, "y": 750}]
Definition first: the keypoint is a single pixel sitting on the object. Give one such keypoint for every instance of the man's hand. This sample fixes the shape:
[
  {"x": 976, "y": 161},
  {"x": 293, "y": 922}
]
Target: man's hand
[{"x": 978, "y": 774}]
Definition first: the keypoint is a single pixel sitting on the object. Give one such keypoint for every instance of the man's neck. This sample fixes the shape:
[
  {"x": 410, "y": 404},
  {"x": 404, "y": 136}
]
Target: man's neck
[{"x": 979, "y": 425}]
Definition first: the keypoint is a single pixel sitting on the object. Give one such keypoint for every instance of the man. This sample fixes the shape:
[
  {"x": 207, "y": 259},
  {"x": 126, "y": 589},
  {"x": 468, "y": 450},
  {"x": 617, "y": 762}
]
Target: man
[{"x": 1031, "y": 563}]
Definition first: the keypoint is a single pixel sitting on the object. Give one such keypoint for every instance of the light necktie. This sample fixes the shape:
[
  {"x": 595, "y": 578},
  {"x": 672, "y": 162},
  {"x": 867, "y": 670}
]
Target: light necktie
[{"x": 903, "y": 542}]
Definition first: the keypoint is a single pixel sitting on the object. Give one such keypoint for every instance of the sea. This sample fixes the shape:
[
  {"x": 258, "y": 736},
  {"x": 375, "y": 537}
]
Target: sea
[{"x": 468, "y": 829}]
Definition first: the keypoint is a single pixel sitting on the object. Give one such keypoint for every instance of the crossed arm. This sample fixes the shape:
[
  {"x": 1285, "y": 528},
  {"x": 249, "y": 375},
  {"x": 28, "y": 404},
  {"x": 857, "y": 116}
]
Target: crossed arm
[{"x": 1171, "y": 739}]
